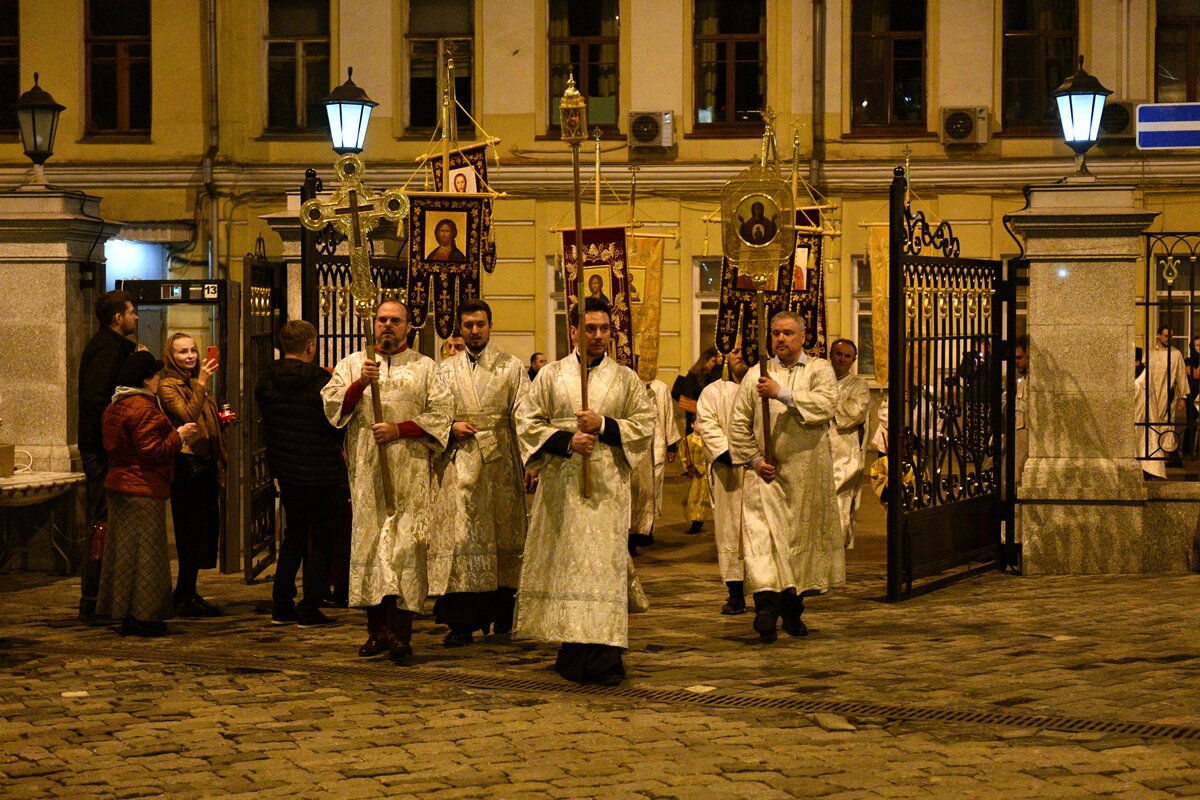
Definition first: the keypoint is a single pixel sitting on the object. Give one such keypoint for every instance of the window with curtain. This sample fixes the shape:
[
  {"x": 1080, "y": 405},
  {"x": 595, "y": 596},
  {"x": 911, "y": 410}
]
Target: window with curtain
[
  {"x": 117, "y": 55},
  {"x": 440, "y": 30},
  {"x": 297, "y": 65},
  {"x": 730, "y": 54},
  {"x": 1177, "y": 52},
  {"x": 10, "y": 66},
  {"x": 584, "y": 38},
  {"x": 887, "y": 65},
  {"x": 1040, "y": 46}
]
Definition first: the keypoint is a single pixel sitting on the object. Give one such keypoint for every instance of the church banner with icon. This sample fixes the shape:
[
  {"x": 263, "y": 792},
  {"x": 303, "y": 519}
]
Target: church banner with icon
[
  {"x": 803, "y": 291},
  {"x": 645, "y": 266},
  {"x": 605, "y": 278},
  {"x": 468, "y": 175},
  {"x": 445, "y": 246}
]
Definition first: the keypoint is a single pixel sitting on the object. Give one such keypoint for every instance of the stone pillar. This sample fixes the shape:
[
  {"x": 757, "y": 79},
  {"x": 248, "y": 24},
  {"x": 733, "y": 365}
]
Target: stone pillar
[
  {"x": 1082, "y": 493},
  {"x": 46, "y": 318}
]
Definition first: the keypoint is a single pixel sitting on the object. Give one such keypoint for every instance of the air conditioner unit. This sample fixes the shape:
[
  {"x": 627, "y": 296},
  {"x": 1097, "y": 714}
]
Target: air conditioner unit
[
  {"x": 967, "y": 125},
  {"x": 651, "y": 131},
  {"x": 1119, "y": 121}
]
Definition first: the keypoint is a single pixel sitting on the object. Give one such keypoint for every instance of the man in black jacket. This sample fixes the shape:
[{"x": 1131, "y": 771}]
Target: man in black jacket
[
  {"x": 102, "y": 359},
  {"x": 304, "y": 453}
]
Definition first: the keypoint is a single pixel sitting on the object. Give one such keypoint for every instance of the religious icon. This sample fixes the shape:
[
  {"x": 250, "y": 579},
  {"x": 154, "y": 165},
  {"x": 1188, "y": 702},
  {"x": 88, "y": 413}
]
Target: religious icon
[
  {"x": 441, "y": 240},
  {"x": 596, "y": 279},
  {"x": 800, "y": 268},
  {"x": 758, "y": 218},
  {"x": 463, "y": 180},
  {"x": 636, "y": 278},
  {"x": 747, "y": 282}
]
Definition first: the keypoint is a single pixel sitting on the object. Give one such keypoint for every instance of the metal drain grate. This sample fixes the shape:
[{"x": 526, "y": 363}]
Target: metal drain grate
[{"x": 377, "y": 672}]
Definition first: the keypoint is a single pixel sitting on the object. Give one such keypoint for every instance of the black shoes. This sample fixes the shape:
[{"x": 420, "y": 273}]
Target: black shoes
[
  {"x": 736, "y": 604},
  {"x": 458, "y": 638},
  {"x": 696, "y": 527},
  {"x": 284, "y": 615},
  {"x": 311, "y": 618},
  {"x": 794, "y": 626},
  {"x": 196, "y": 606},
  {"x": 133, "y": 627},
  {"x": 764, "y": 624},
  {"x": 375, "y": 644}
]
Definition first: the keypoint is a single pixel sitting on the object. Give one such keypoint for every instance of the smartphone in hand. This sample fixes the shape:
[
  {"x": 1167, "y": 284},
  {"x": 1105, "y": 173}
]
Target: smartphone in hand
[{"x": 212, "y": 354}]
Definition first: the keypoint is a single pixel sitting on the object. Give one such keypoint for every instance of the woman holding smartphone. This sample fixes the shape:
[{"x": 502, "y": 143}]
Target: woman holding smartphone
[{"x": 199, "y": 468}]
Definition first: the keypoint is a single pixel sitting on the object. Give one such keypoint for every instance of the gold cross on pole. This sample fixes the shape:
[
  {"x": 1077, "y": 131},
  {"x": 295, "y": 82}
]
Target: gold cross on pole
[{"x": 354, "y": 211}]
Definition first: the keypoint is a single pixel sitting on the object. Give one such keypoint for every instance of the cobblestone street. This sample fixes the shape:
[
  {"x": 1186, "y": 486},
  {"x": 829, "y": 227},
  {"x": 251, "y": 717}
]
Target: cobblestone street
[{"x": 1001, "y": 686}]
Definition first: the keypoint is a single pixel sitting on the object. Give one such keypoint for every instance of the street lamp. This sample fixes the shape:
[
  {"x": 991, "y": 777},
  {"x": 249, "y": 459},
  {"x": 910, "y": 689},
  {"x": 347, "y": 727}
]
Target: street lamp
[
  {"x": 37, "y": 116},
  {"x": 1080, "y": 105},
  {"x": 349, "y": 111}
]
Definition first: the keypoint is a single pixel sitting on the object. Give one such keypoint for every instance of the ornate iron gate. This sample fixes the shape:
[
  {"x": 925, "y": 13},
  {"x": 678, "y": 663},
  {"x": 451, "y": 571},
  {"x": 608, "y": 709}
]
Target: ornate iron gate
[
  {"x": 264, "y": 312},
  {"x": 945, "y": 399}
]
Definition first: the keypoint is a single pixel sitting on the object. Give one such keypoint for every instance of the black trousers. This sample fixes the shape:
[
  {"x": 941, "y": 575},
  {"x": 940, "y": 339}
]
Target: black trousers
[
  {"x": 95, "y": 467},
  {"x": 312, "y": 529}
]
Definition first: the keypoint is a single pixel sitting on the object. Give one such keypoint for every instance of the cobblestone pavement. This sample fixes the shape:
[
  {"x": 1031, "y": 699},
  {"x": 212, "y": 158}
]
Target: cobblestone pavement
[{"x": 1001, "y": 686}]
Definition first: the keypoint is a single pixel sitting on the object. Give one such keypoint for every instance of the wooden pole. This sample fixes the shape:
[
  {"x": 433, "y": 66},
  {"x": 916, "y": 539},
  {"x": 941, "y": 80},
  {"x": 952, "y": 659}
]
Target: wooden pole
[
  {"x": 385, "y": 471},
  {"x": 763, "y": 358},
  {"x": 580, "y": 335},
  {"x": 597, "y": 201}
]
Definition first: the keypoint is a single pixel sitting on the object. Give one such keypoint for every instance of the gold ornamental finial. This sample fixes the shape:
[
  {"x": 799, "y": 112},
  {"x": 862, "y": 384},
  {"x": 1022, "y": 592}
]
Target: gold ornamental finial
[{"x": 573, "y": 113}]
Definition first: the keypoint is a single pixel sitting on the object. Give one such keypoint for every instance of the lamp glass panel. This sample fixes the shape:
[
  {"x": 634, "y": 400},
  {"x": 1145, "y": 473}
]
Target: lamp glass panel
[
  {"x": 25, "y": 121},
  {"x": 334, "y": 112},
  {"x": 363, "y": 121},
  {"x": 43, "y": 128}
]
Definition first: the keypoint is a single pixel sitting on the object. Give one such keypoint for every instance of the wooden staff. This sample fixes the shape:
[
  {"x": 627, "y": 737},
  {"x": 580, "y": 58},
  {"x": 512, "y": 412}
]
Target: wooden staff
[
  {"x": 762, "y": 364},
  {"x": 573, "y": 124},
  {"x": 389, "y": 492}
]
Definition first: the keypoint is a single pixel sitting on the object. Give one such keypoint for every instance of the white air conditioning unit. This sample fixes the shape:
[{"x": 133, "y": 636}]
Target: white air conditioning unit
[
  {"x": 1119, "y": 121},
  {"x": 651, "y": 131},
  {"x": 968, "y": 125}
]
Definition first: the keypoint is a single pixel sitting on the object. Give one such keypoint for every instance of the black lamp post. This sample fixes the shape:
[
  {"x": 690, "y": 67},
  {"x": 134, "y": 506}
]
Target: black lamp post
[
  {"x": 349, "y": 111},
  {"x": 37, "y": 115},
  {"x": 1080, "y": 105}
]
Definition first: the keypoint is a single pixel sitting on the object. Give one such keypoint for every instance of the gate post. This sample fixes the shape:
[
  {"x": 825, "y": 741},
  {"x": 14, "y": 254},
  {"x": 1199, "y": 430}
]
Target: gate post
[{"x": 1082, "y": 490}]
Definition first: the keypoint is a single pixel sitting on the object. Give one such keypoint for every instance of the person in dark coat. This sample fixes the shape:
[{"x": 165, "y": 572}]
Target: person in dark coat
[
  {"x": 304, "y": 453},
  {"x": 102, "y": 359},
  {"x": 141, "y": 443}
]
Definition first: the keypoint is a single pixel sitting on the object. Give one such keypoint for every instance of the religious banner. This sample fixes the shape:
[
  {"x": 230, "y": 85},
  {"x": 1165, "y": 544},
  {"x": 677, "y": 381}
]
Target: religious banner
[
  {"x": 645, "y": 266},
  {"x": 877, "y": 252},
  {"x": 605, "y": 278},
  {"x": 468, "y": 175},
  {"x": 736, "y": 312},
  {"x": 445, "y": 246},
  {"x": 808, "y": 281}
]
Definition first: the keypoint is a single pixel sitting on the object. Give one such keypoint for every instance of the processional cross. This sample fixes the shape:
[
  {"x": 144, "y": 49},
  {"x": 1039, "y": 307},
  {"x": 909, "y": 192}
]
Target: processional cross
[{"x": 354, "y": 211}]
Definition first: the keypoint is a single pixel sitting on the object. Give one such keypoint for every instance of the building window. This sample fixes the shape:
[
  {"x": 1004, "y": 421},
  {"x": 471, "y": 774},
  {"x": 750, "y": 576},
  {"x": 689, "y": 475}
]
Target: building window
[
  {"x": 1177, "y": 52},
  {"x": 117, "y": 47},
  {"x": 1040, "y": 39},
  {"x": 584, "y": 39},
  {"x": 10, "y": 66},
  {"x": 863, "y": 331},
  {"x": 887, "y": 64},
  {"x": 707, "y": 276},
  {"x": 297, "y": 65},
  {"x": 730, "y": 41},
  {"x": 440, "y": 30}
]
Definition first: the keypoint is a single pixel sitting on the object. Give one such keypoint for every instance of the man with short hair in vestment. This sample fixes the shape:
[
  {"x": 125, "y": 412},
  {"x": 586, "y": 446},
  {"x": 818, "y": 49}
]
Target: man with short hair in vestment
[
  {"x": 574, "y": 582},
  {"x": 478, "y": 535},
  {"x": 714, "y": 411},
  {"x": 1166, "y": 385},
  {"x": 387, "y": 553},
  {"x": 647, "y": 479},
  {"x": 848, "y": 434},
  {"x": 793, "y": 544}
]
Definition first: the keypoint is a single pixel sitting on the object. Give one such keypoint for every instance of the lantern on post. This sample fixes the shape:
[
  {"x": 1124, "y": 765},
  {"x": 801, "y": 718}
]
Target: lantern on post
[
  {"x": 1080, "y": 104},
  {"x": 37, "y": 117},
  {"x": 349, "y": 112}
]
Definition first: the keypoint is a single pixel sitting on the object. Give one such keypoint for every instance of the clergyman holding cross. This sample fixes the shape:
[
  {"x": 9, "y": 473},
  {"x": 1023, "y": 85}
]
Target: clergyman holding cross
[{"x": 387, "y": 553}]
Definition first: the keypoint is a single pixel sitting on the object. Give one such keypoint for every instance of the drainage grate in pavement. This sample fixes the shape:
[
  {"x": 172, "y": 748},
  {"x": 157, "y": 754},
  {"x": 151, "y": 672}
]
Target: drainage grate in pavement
[{"x": 377, "y": 672}]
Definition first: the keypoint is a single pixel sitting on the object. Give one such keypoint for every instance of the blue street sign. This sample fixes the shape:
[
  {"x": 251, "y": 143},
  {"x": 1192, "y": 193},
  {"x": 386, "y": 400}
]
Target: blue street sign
[{"x": 1168, "y": 125}]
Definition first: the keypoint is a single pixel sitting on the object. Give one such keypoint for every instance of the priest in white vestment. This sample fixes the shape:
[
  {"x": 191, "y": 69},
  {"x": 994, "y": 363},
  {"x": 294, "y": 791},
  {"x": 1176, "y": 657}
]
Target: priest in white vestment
[
  {"x": 849, "y": 434},
  {"x": 1165, "y": 393},
  {"x": 714, "y": 410},
  {"x": 387, "y": 553},
  {"x": 478, "y": 535},
  {"x": 793, "y": 544},
  {"x": 647, "y": 483},
  {"x": 574, "y": 575}
]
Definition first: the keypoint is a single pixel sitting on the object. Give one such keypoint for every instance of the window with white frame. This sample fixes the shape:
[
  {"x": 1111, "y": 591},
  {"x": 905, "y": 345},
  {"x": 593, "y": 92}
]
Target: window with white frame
[
  {"x": 861, "y": 324},
  {"x": 297, "y": 65},
  {"x": 557, "y": 307},
  {"x": 707, "y": 280},
  {"x": 440, "y": 30}
]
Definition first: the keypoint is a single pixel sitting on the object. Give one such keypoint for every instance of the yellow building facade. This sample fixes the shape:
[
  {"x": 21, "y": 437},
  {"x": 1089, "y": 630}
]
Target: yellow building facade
[{"x": 193, "y": 116}]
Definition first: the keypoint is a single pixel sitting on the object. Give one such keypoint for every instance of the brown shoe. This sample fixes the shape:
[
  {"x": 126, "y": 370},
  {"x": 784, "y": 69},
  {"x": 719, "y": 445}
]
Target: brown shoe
[
  {"x": 375, "y": 644},
  {"x": 398, "y": 650}
]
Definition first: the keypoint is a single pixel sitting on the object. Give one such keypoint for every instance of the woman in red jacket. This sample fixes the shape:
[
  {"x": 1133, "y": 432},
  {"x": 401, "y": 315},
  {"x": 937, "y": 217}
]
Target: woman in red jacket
[{"x": 135, "y": 580}]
